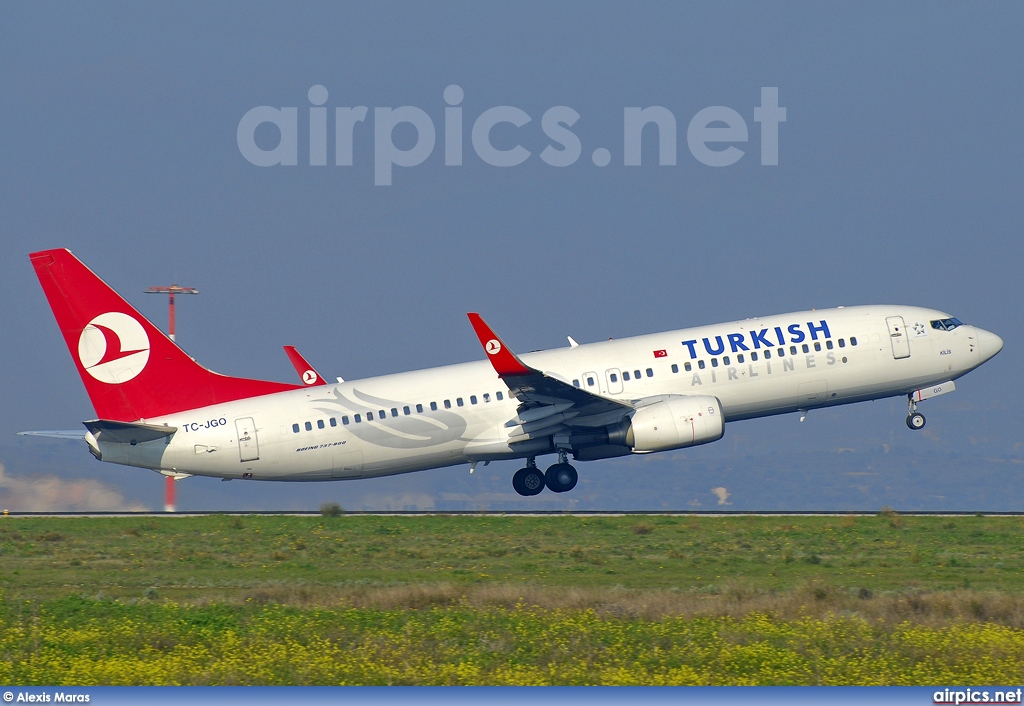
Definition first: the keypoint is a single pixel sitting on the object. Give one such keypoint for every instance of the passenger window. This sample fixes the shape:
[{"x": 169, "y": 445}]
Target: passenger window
[
  {"x": 700, "y": 364},
  {"x": 319, "y": 423},
  {"x": 828, "y": 344},
  {"x": 358, "y": 419},
  {"x": 344, "y": 421},
  {"x": 500, "y": 396},
  {"x": 613, "y": 377},
  {"x": 382, "y": 415},
  {"x": 433, "y": 406},
  {"x": 792, "y": 350},
  {"x": 590, "y": 382},
  {"x": 447, "y": 404},
  {"x": 675, "y": 368},
  {"x": 753, "y": 356},
  {"x": 334, "y": 422},
  {"x": 458, "y": 401},
  {"x": 472, "y": 399},
  {"x": 725, "y": 360},
  {"x": 487, "y": 396},
  {"x": 625, "y": 375},
  {"x": 406, "y": 411},
  {"x": 394, "y": 411},
  {"x": 782, "y": 352},
  {"x": 636, "y": 374},
  {"x": 806, "y": 348},
  {"x": 767, "y": 355},
  {"x": 739, "y": 357},
  {"x": 369, "y": 416},
  {"x": 842, "y": 343},
  {"x": 853, "y": 340},
  {"x": 295, "y": 428},
  {"x": 419, "y": 409},
  {"x": 309, "y": 426},
  {"x": 817, "y": 345},
  {"x": 576, "y": 383},
  {"x": 650, "y": 372},
  {"x": 687, "y": 367},
  {"x": 714, "y": 362}
]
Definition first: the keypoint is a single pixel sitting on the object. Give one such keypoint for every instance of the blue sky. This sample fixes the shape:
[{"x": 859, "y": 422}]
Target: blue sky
[{"x": 901, "y": 163}]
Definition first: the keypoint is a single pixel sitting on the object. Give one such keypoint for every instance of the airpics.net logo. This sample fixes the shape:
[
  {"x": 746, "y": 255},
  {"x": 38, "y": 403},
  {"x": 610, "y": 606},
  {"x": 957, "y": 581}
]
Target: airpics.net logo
[{"x": 712, "y": 134}]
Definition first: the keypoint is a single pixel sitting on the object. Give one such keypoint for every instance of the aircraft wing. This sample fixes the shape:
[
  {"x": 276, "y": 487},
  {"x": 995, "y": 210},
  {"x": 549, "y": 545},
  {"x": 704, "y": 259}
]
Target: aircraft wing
[{"x": 546, "y": 402}]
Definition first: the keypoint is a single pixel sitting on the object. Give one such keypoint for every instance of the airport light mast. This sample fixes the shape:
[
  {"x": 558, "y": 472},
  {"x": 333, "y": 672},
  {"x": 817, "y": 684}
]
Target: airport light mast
[{"x": 169, "y": 491}]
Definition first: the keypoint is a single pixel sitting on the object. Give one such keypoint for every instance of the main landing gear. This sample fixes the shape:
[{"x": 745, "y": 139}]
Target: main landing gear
[
  {"x": 559, "y": 478},
  {"x": 915, "y": 420}
]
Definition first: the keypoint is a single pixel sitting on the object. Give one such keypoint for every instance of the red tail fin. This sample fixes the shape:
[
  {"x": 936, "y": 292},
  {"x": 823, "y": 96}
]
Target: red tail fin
[{"x": 131, "y": 370}]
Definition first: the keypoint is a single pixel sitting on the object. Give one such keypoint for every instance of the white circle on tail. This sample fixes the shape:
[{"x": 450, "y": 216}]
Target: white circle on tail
[
  {"x": 493, "y": 347},
  {"x": 113, "y": 348},
  {"x": 309, "y": 377}
]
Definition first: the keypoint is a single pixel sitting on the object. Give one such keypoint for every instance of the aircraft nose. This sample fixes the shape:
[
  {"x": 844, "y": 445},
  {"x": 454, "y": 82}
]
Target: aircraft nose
[{"x": 988, "y": 343}]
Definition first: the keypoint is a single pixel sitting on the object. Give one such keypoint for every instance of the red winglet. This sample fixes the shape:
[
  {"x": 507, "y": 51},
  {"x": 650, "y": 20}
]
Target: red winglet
[
  {"x": 310, "y": 377},
  {"x": 505, "y": 362}
]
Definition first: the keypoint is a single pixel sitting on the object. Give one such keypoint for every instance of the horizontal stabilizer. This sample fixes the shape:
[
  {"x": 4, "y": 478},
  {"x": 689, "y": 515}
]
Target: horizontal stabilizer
[
  {"x": 127, "y": 432},
  {"x": 75, "y": 434}
]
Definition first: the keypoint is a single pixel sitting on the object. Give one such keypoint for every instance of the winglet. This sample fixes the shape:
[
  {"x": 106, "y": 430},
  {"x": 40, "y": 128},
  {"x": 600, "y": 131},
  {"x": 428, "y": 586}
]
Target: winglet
[
  {"x": 505, "y": 362},
  {"x": 310, "y": 377}
]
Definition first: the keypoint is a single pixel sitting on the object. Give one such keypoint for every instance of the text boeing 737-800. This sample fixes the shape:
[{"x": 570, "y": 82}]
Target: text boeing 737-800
[{"x": 159, "y": 409}]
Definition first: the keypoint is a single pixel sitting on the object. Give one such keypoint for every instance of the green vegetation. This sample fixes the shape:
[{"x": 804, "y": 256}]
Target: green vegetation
[
  {"x": 576, "y": 600},
  {"x": 213, "y": 558}
]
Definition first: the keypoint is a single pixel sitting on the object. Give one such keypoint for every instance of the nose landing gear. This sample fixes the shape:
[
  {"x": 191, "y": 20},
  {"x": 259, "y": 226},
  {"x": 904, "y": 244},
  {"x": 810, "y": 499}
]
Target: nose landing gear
[{"x": 915, "y": 420}]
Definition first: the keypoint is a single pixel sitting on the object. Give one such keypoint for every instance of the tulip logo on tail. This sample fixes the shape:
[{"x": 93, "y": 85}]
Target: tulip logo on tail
[{"x": 113, "y": 348}]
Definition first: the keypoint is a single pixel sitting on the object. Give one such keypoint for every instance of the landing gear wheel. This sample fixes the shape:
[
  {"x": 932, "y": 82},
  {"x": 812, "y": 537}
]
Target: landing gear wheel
[
  {"x": 915, "y": 421},
  {"x": 528, "y": 481},
  {"x": 561, "y": 478}
]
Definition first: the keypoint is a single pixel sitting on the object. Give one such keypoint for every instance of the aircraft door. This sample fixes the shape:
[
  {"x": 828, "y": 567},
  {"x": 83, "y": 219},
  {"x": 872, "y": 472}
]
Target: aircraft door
[
  {"x": 248, "y": 445},
  {"x": 898, "y": 337},
  {"x": 613, "y": 379},
  {"x": 591, "y": 383}
]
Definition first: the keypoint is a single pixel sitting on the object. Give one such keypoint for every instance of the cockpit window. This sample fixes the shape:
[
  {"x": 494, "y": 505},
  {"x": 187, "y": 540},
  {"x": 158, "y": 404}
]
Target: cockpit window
[{"x": 946, "y": 324}]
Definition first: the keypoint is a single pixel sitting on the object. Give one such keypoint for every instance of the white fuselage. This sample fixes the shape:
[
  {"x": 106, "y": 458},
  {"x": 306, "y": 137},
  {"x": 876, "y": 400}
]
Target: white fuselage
[{"x": 457, "y": 414}]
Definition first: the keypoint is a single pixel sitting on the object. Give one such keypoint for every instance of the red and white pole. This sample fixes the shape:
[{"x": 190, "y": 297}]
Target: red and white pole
[
  {"x": 170, "y": 504},
  {"x": 170, "y": 313}
]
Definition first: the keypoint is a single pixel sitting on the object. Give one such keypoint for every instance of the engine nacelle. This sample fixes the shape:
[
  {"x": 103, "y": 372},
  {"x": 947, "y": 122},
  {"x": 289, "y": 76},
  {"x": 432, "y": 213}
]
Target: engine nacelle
[{"x": 671, "y": 422}]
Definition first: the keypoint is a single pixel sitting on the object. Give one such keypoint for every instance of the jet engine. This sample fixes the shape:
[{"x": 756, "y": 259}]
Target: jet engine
[{"x": 670, "y": 422}]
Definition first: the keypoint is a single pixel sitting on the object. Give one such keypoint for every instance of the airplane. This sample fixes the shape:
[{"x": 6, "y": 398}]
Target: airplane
[{"x": 158, "y": 409}]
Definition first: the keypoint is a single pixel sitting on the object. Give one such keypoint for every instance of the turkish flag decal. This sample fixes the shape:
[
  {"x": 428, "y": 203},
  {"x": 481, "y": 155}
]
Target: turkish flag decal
[{"x": 661, "y": 354}]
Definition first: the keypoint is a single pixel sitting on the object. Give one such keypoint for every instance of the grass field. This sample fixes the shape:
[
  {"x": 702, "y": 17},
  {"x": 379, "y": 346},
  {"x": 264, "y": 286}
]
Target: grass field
[{"x": 574, "y": 600}]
